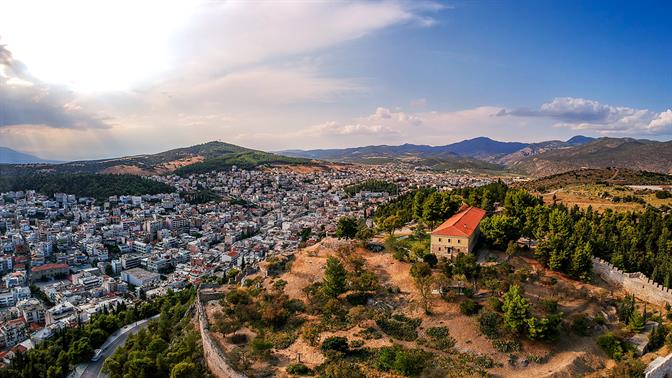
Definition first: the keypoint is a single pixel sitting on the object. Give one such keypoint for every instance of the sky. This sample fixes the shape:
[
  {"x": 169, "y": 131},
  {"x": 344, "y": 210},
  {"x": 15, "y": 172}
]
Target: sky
[{"x": 82, "y": 79}]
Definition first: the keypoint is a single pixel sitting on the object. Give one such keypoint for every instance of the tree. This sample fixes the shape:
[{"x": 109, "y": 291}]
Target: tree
[
  {"x": 511, "y": 249},
  {"x": 582, "y": 262},
  {"x": 422, "y": 275},
  {"x": 347, "y": 227},
  {"x": 183, "y": 369},
  {"x": 516, "y": 309},
  {"x": 499, "y": 229},
  {"x": 337, "y": 343},
  {"x": 334, "y": 278},
  {"x": 636, "y": 322},
  {"x": 391, "y": 223}
]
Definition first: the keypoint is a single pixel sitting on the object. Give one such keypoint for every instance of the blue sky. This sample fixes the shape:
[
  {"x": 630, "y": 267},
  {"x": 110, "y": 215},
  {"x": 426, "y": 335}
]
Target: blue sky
[{"x": 293, "y": 74}]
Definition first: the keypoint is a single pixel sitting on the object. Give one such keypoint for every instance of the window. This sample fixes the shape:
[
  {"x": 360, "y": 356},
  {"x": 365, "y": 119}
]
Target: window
[
  {"x": 448, "y": 240},
  {"x": 439, "y": 239},
  {"x": 439, "y": 249},
  {"x": 459, "y": 241}
]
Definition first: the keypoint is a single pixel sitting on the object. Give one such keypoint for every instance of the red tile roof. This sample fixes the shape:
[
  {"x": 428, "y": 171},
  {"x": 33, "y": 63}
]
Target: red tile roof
[
  {"x": 49, "y": 266},
  {"x": 463, "y": 223}
]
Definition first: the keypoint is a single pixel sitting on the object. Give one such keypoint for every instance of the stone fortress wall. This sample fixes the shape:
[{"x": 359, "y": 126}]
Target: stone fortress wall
[
  {"x": 636, "y": 284},
  {"x": 212, "y": 353}
]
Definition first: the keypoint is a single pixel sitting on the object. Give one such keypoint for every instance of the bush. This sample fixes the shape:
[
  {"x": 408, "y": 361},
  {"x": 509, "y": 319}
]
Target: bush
[
  {"x": 549, "y": 306},
  {"x": 612, "y": 345},
  {"x": 663, "y": 194},
  {"x": 535, "y": 358},
  {"x": 495, "y": 304},
  {"x": 298, "y": 369},
  {"x": 439, "y": 338},
  {"x": 629, "y": 367},
  {"x": 506, "y": 346},
  {"x": 400, "y": 327},
  {"x": 337, "y": 343},
  {"x": 358, "y": 298},
  {"x": 408, "y": 362},
  {"x": 469, "y": 307},
  {"x": 490, "y": 324},
  {"x": 581, "y": 324}
]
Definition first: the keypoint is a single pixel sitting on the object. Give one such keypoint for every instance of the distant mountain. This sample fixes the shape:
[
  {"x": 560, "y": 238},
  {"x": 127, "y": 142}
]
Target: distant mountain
[
  {"x": 435, "y": 157},
  {"x": 636, "y": 154},
  {"x": 195, "y": 159},
  {"x": 579, "y": 139},
  {"x": 9, "y": 156},
  {"x": 467, "y": 152}
]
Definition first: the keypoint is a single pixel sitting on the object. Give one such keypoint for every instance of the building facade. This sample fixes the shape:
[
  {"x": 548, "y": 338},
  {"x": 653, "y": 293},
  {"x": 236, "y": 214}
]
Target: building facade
[{"x": 459, "y": 234}]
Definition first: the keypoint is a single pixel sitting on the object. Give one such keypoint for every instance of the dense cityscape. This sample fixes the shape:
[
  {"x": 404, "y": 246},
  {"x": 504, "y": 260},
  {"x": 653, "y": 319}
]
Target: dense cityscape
[{"x": 66, "y": 259}]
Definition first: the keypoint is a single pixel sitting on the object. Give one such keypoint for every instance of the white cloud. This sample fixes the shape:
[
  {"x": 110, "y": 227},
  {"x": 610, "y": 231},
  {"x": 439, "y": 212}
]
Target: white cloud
[
  {"x": 662, "y": 123},
  {"x": 583, "y": 114}
]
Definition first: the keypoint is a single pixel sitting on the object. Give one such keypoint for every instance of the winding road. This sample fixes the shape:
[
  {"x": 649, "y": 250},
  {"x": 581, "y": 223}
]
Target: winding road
[{"x": 93, "y": 369}]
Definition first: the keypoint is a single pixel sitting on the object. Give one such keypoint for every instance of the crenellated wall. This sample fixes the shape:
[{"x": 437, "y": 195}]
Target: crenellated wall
[{"x": 636, "y": 283}]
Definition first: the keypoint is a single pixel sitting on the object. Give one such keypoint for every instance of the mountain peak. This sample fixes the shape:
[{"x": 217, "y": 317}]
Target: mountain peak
[
  {"x": 580, "y": 139},
  {"x": 10, "y": 156}
]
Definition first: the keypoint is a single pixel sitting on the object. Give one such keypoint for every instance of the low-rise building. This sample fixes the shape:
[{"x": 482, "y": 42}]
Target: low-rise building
[
  {"x": 458, "y": 234},
  {"x": 140, "y": 277}
]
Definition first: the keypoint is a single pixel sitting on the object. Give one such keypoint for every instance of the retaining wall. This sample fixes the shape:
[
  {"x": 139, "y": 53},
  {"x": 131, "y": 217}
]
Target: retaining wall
[
  {"x": 636, "y": 284},
  {"x": 212, "y": 353}
]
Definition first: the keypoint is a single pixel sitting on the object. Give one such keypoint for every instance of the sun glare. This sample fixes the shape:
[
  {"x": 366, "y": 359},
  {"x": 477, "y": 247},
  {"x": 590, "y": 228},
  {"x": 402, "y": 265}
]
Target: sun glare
[{"x": 92, "y": 45}]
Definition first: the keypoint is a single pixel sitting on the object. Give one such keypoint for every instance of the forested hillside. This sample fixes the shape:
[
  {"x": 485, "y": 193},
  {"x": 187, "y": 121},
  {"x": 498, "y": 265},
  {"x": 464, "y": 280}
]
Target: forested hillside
[{"x": 98, "y": 186}]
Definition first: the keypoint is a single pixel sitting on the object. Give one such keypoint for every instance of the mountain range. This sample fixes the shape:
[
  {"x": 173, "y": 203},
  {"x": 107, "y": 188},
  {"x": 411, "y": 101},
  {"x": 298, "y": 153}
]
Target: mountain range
[
  {"x": 467, "y": 152},
  {"x": 9, "y": 156},
  {"x": 532, "y": 159}
]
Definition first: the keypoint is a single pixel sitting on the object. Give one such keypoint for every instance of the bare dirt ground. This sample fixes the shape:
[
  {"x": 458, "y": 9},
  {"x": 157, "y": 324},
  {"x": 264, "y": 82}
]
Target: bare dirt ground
[
  {"x": 126, "y": 169},
  {"x": 570, "y": 356},
  {"x": 175, "y": 164}
]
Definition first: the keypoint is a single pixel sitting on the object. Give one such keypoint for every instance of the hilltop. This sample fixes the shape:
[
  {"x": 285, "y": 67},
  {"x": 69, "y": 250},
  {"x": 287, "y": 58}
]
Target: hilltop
[
  {"x": 183, "y": 161},
  {"x": 636, "y": 154}
]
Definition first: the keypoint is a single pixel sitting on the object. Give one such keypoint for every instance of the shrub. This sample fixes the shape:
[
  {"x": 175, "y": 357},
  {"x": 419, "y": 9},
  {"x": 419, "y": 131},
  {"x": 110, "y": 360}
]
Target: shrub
[
  {"x": 549, "y": 306},
  {"x": 495, "y": 304},
  {"x": 581, "y": 324},
  {"x": 400, "y": 327},
  {"x": 337, "y": 343},
  {"x": 439, "y": 338},
  {"x": 370, "y": 333},
  {"x": 629, "y": 367},
  {"x": 506, "y": 346},
  {"x": 408, "y": 362},
  {"x": 490, "y": 324},
  {"x": 535, "y": 358},
  {"x": 357, "y": 299},
  {"x": 663, "y": 194},
  {"x": 612, "y": 345},
  {"x": 261, "y": 347},
  {"x": 469, "y": 307},
  {"x": 298, "y": 369}
]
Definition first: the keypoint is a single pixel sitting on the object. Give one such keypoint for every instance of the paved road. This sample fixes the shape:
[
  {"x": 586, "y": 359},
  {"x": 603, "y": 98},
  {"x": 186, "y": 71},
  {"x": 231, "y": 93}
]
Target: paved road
[{"x": 93, "y": 369}]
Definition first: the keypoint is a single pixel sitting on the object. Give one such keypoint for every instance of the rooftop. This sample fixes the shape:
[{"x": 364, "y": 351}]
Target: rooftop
[{"x": 464, "y": 223}]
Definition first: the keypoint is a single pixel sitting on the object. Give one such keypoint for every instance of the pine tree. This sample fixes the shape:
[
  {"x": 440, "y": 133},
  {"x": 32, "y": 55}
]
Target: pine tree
[
  {"x": 516, "y": 309},
  {"x": 582, "y": 262},
  {"x": 636, "y": 322},
  {"x": 334, "y": 277}
]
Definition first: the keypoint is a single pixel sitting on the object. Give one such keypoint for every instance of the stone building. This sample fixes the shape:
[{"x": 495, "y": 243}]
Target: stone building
[{"x": 458, "y": 234}]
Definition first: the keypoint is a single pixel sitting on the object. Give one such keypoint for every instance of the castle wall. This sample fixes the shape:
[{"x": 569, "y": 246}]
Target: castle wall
[{"x": 636, "y": 284}]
